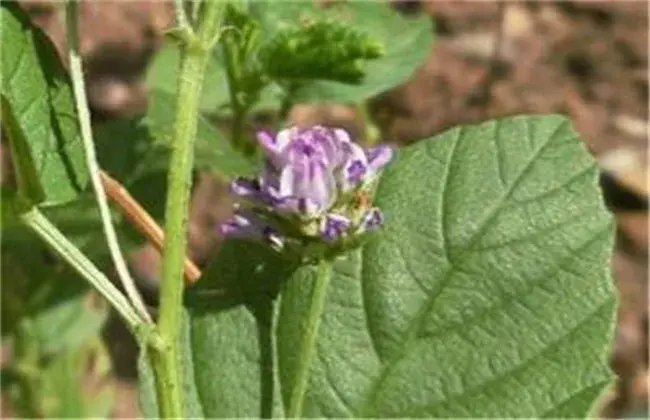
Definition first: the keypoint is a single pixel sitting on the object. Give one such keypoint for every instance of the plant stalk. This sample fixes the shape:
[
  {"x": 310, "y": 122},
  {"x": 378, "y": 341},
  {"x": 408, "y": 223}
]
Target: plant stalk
[
  {"x": 308, "y": 343},
  {"x": 49, "y": 233},
  {"x": 196, "y": 50},
  {"x": 76, "y": 73}
]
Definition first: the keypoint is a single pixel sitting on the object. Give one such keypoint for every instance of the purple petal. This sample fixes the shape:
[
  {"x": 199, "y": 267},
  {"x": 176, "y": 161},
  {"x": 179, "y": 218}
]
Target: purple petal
[
  {"x": 355, "y": 171},
  {"x": 373, "y": 219},
  {"x": 355, "y": 168},
  {"x": 243, "y": 224},
  {"x": 275, "y": 147},
  {"x": 341, "y": 135},
  {"x": 308, "y": 181},
  {"x": 379, "y": 156},
  {"x": 230, "y": 228},
  {"x": 243, "y": 187},
  {"x": 266, "y": 139},
  {"x": 334, "y": 226}
]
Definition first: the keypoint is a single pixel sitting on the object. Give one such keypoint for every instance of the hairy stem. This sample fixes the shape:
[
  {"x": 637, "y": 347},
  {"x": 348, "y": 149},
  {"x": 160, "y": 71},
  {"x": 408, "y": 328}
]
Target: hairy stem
[
  {"x": 308, "y": 342},
  {"x": 195, "y": 53},
  {"x": 37, "y": 222},
  {"x": 76, "y": 72},
  {"x": 181, "y": 15}
]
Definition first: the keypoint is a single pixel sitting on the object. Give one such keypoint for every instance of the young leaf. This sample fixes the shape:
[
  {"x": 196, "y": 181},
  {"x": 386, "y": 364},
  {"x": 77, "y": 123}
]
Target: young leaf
[
  {"x": 406, "y": 43},
  {"x": 39, "y": 94},
  {"x": 487, "y": 293}
]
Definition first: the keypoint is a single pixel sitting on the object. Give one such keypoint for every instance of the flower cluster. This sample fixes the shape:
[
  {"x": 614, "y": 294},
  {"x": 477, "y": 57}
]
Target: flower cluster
[{"x": 316, "y": 187}]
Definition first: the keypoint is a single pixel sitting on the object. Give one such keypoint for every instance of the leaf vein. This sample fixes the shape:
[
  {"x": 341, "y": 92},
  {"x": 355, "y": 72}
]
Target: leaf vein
[
  {"x": 364, "y": 304},
  {"x": 551, "y": 345},
  {"x": 444, "y": 225}
]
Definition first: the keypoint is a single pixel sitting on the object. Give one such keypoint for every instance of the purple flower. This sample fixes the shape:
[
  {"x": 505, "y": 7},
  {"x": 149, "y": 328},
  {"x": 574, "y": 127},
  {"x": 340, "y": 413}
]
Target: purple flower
[
  {"x": 334, "y": 226},
  {"x": 309, "y": 187},
  {"x": 247, "y": 225},
  {"x": 372, "y": 219}
]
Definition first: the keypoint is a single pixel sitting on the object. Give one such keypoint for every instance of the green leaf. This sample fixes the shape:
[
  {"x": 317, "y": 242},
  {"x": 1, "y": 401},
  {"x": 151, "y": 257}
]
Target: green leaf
[
  {"x": 487, "y": 293},
  {"x": 68, "y": 324},
  {"x": 407, "y": 42},
  {"x": 38, "y": 91},
  {"x": 228, "y": 311},
  {"x": 65, "y": 389},
  {"x": 29, "y": 191}
]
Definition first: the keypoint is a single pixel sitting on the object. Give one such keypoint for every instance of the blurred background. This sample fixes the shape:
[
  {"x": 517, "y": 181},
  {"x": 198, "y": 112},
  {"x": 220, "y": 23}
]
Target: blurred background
[{"x": 588, "y": 60}]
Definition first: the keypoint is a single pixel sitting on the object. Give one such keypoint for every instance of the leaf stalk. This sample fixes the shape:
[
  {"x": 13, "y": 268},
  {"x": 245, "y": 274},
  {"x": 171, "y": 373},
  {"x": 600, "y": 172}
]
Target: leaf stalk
[{"x": 308, "y": 342}]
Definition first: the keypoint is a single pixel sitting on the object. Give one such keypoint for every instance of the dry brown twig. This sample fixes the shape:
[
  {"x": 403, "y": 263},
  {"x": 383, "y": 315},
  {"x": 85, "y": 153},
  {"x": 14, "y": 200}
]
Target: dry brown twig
[{"x": 142, "y": 221}]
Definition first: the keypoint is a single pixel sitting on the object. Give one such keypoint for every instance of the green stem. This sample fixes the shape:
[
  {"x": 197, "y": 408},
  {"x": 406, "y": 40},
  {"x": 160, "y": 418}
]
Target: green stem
[
  {"x": 308, "y": 342},
  {"x": 76, "y": 73},
  {"x": 371, "y": 134},
  {"x": 195, "y": 54},
  {"x": 36, "y": 221},
  {"x": 181, "y": 15}
]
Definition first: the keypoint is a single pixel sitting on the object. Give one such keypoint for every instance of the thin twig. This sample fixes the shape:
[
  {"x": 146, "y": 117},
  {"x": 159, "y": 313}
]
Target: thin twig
[
  {"x": 76, "y": 73},
  {"x": 143, "y": 221}
]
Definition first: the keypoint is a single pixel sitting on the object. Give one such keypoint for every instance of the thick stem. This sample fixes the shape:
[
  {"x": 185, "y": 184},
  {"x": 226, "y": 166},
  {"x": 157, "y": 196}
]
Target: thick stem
[
  {"x": 195, "y": 53},
  {"x": 308, "y": 342},
  {"x": 76, "y": 73}
]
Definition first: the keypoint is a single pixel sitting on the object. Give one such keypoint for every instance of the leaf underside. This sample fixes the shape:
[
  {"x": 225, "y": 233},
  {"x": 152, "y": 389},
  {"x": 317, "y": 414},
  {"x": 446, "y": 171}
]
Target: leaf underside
[
  {"x": 39, "y": 92},
  {"x": 486, "y": 294}
]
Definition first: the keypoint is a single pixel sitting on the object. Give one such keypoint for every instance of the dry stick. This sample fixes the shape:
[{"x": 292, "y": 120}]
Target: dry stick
[{"x": 146, "y": 224}]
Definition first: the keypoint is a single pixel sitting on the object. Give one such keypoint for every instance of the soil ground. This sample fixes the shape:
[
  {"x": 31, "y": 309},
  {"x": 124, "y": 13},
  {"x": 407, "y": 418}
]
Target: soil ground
[{"x": 585, "y": 59}]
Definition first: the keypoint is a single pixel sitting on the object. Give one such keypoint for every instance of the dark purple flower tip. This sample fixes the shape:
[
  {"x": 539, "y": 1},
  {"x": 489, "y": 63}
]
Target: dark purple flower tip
[
  {"x": 379, "y": 156},
  {"x": 334, "y": 226},
  {"x": 373, "y": 219},
  {"x": 243, "y": 187},
  {"x": 243, "y": 224},
  {"x": 229, "y": 228},
  {"x": 355, "y": 172}
]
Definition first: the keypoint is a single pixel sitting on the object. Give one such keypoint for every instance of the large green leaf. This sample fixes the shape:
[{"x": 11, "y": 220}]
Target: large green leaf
[
  {"x": 486, "y": 294},
  {"x": 407, "y": 42},
  {"x": 38, "y": 91}
]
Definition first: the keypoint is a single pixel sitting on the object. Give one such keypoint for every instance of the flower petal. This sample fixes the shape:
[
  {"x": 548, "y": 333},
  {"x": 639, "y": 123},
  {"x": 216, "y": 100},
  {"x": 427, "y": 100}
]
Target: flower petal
[
  {"x": 244, "y": 187},
  {"x": 379, "y": 156},
  {"x": 373, "y": 219},
  {"x": 276, "y": 147},
  {"x": 334, "y": 226}
]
